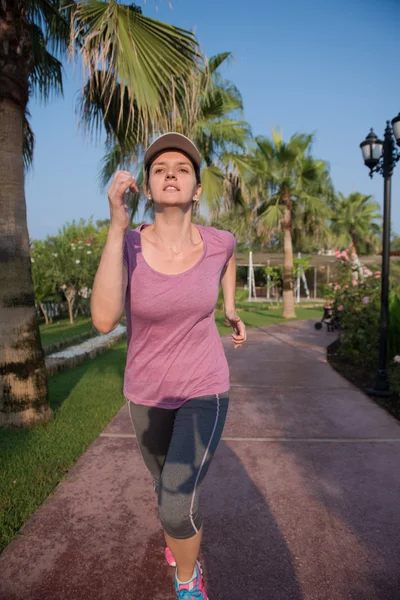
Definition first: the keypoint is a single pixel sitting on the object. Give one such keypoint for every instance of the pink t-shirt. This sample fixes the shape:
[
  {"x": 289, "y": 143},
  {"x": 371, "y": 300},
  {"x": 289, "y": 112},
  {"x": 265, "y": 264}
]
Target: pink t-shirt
[{"x": 174, "y": 349}]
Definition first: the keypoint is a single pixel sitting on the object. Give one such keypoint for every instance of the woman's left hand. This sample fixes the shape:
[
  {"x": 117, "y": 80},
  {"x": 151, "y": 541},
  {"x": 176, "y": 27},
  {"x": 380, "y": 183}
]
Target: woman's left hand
[{"x": 239, "y": 336}]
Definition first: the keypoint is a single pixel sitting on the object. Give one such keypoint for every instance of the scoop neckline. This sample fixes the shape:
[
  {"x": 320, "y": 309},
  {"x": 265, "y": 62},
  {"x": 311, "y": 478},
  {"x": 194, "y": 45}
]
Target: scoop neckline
[{"x": 201, "y": 232}]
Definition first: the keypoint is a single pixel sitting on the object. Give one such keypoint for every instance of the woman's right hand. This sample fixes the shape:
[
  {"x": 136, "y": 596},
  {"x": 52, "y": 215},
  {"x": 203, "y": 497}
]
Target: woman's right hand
[{"x": 119, "y": 212}]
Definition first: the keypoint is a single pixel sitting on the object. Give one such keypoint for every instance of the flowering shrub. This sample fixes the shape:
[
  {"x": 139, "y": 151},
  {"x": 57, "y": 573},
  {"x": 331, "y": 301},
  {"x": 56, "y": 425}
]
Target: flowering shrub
[
  {"x": 355, "y": 300},
  {"x": 394, "y": 342},
  {"x": 67, "y": 262},
  {"x": 394, "y": 374},
  {"x": 44, "y": 283}
]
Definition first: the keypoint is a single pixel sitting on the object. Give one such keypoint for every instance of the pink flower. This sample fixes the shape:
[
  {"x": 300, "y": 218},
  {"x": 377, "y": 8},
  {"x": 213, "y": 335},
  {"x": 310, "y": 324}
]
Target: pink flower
[
  {"x": 346, "y": 287},
  {"x": 397, "y": 359},
  {"x": 337, "y": 287},
  {"x": 377, "y": 274},
  {"x": 340, "y": 307},
  {"x": 330, "y": 284},
  {"x": 365, "y": 300},
  {"x": 354, "y": 282},
  {"x": 338, "y": 253},
  {"x": 367, "y": 272}
]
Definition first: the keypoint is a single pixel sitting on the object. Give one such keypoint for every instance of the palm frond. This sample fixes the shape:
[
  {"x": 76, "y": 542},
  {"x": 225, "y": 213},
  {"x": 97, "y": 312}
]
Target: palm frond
[
  {"x": 46, "y": 75},
  {"x": 134, "y": 201},
  {"x": 265, "y": 147},
  {"x": 277, "y": 139},
  {"x": 216, "y": 61},
  {"x": 230, "y": 93},
  {"x": 97, "y": 108},
  {"x": 301, "y": 142},
  {"x": 28, "y": 142},
  {"x": 142, "y": 55},
  {"x": 272, "y": 216},
  {"x": 113, "y": 160},
  {"x": 212, "y": 180},
  {"x": 213, "y": 106},
  {"x": 226, "y": 131},
  {"x": 52, "y": 17},
  {"x": 241, "y": 165}
]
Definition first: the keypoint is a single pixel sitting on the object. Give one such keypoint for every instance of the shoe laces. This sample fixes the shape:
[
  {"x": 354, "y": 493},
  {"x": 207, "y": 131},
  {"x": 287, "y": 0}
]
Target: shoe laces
[{"x": 194, "y": 594}]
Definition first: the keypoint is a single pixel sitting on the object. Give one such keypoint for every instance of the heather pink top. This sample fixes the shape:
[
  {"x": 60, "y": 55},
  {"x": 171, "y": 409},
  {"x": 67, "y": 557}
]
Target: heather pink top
[{"x": 174, "y": 349}]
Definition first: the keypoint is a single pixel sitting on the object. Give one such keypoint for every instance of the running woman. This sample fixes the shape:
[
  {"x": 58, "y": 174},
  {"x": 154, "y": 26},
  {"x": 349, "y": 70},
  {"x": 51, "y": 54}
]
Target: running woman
[{"x": 166, "y": 276}]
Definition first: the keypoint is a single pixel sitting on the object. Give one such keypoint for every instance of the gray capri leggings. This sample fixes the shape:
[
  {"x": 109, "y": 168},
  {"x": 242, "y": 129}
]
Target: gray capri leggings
[{"x": 177, "y": 446}]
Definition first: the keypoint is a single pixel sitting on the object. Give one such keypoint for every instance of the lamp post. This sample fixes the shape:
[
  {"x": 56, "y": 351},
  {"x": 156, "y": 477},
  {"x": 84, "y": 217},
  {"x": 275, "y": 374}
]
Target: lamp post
[{"x": 381, "y": 157}]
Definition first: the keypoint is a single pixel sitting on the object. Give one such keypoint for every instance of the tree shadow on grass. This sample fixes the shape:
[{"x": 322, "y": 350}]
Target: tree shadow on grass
[{"x": 99, "y": 372}]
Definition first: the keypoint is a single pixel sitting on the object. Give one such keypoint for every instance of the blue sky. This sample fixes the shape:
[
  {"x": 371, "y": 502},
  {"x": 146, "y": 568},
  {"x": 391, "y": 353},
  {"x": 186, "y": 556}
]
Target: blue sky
[{"x": 328, "y": 68}]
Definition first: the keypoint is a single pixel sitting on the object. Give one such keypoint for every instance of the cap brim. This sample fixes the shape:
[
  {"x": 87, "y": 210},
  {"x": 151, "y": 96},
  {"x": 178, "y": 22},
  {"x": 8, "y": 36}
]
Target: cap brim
[{"x": 173, "y": 141}]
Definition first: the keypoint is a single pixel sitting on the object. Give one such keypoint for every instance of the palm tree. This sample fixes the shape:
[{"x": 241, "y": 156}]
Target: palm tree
[
  {"x": 355, "y": 222},
  {"x": 211, "y": 114},
  {"x": 222, "y": 136},
  {"x": 112, "y": 42},
  {"x": 290, "y": 190}
]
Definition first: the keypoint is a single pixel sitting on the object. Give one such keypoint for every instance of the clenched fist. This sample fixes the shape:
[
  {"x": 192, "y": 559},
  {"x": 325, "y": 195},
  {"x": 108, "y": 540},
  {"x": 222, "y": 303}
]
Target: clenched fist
[{"x": 119, "y": 213}]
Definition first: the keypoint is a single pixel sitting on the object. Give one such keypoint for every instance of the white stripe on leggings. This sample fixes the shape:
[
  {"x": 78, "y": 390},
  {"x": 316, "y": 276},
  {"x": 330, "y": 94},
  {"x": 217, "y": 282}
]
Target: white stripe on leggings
[{"x": 201, "y": 466}]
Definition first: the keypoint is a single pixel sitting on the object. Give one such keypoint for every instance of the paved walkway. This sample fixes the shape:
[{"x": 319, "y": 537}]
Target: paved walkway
[{"x": 302, "y": 500}]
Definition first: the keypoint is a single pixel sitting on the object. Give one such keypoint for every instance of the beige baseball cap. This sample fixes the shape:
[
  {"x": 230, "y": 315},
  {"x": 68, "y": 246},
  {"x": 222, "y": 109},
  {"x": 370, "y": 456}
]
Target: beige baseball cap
[{"x": 173, "y": 141}]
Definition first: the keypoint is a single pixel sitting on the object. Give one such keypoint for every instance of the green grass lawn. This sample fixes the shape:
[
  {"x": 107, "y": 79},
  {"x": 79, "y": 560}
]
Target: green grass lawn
[
  {"x": 62, "y": 330},
  {"x": 255, "y": 316},
  {"x": 84, "y": 401}
]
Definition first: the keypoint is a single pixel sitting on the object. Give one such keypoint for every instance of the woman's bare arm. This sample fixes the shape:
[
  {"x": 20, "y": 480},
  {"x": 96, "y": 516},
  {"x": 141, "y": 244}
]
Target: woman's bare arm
[
  {"x": 109, "y": 288},
  {"x": 110, "y": 283}
]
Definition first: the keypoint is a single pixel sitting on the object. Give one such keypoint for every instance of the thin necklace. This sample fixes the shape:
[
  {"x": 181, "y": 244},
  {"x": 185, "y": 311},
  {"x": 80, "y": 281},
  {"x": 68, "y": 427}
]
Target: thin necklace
[{"x": 168, "y": 246}]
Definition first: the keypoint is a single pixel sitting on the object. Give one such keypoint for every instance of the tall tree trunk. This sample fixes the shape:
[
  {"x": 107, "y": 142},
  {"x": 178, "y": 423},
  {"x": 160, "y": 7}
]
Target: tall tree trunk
[
  {"x": 354, "y": 244},
  {"x": 288, "y": 288},
  {"x": 23, "y": 382}
]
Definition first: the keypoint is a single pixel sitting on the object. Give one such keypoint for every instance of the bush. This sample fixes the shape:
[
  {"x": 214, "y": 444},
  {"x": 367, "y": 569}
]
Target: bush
[
  {"x": 394, "y": 377},
  {"x": 355, "y": 300}
]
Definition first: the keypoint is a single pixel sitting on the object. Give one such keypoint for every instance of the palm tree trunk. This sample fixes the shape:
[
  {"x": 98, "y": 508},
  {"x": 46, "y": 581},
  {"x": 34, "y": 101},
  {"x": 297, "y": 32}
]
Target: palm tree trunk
[
  {"x": 354, "y": 242},
  {"x": 288, "y": 293},
  {"x": 23, "y": 382}
]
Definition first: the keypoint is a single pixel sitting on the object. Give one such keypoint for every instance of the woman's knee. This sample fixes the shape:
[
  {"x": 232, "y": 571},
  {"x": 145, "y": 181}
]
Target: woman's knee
[{"x": 178, "y": 523}]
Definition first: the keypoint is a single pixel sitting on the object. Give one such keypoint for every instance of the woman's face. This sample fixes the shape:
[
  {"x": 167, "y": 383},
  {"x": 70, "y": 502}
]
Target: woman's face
[{"x": 172, "y": 180}]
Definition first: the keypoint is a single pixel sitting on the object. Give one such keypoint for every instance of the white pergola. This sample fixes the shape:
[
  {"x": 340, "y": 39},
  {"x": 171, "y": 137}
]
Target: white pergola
[{"x": 322, "y": 262}]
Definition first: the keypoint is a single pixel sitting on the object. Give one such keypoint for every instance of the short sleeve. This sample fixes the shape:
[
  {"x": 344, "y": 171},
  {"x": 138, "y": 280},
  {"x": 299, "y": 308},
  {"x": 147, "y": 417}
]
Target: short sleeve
[{"x": 230, "y": 247}]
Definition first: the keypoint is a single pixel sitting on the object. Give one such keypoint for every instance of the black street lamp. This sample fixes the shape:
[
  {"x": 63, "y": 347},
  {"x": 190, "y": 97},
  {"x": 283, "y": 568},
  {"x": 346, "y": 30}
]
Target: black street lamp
[{"x": 381, "y": 157}]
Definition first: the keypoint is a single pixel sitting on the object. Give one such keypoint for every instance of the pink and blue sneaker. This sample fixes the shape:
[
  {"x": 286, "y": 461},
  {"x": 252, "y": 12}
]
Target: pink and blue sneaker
[
  {"x": 169, "y": 557},
  {"x": 193, "y": 589}
]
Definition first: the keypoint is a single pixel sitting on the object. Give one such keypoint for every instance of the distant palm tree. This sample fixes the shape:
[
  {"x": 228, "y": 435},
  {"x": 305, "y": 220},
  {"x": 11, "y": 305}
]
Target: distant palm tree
[
  {"x": 130, "y": 61},
  {"x": 355, "y": 222},
  {"x": 291, "y": 189}
]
